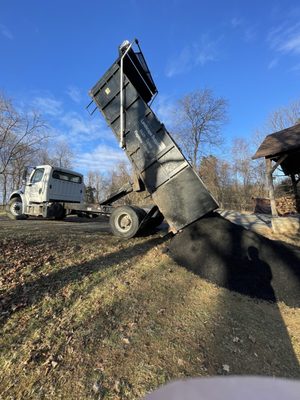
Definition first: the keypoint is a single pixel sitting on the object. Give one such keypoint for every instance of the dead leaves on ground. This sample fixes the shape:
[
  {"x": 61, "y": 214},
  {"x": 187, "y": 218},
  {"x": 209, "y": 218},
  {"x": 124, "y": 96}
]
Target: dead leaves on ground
[{"x": 18, "y": 260}]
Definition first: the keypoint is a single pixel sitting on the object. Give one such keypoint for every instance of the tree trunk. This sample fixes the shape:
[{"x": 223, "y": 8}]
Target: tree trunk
[{"x": 4, "y": 193}]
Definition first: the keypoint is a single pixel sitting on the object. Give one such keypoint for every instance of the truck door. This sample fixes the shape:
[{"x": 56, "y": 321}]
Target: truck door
[{"x": 35, "y": 187}]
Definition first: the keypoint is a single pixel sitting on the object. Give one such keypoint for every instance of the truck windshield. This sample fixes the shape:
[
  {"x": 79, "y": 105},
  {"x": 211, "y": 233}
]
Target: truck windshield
[
  {"x": 66, "y": 176},
  {"x": 38, "y": 175}
]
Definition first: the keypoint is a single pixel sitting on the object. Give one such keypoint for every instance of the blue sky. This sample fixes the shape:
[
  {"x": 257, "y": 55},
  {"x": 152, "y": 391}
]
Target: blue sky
[{"x": 53, "y": 52}]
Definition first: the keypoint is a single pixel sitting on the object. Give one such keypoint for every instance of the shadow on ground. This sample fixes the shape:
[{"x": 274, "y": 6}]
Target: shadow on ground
[{"x": 240, "y": 260}]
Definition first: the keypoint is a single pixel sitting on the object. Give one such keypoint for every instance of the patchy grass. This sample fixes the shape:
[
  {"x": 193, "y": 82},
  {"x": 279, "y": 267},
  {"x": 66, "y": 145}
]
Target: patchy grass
[
  {"x": 294, "y": 241},
  {"x": 87, "y": 314}
]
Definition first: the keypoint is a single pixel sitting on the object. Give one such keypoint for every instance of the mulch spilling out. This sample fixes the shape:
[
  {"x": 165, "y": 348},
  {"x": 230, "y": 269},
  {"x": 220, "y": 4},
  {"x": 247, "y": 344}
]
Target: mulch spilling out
[{"x": 238, "y": 259}]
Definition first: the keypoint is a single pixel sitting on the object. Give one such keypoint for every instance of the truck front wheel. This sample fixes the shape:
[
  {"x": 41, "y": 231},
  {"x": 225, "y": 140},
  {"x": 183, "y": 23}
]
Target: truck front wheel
[
  {"x": 14, "y": 209},
  {"x": 125, "y": 221}
]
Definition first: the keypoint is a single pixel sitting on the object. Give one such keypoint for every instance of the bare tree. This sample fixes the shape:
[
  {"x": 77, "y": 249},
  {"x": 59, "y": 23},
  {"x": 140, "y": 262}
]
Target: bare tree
[
  {"x": 60, "y": 155},
  {"x": 283, "y": 117},
  {"x": 121, "y": 175},
  {"x": 248, "y": 175},
  {"x": 17, "y": 131},
  {"x": 63, "y": 155},
  {"x": 97, "y": 181},
  {"x": 216, "y": 175},
  {"x": 21, "y": 136},
  {"x": 198, "y": 121},
  {"x": 44, "y": 157},
  {"x": 242, "y": 171}
]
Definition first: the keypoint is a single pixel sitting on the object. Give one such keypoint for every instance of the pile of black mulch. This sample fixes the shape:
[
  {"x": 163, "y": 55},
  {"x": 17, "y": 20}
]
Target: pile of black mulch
[{"x": 238, "y": 259}]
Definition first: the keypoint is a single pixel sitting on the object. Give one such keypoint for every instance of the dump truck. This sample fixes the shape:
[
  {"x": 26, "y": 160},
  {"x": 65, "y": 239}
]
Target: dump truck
[
  {"x": 124, "y": 95},
  {"x": 55, "y": 192}
]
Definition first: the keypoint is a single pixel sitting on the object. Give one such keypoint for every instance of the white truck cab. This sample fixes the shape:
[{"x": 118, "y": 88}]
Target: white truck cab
[{"x": 45, "y": 192}]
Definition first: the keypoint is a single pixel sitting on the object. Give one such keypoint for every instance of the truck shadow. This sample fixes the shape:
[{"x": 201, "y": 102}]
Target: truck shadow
[{"x": 240, "y": 260}]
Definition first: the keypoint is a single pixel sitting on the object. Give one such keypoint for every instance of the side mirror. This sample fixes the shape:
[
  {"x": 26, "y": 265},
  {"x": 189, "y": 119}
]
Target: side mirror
[{"x": 24, "y": 176}]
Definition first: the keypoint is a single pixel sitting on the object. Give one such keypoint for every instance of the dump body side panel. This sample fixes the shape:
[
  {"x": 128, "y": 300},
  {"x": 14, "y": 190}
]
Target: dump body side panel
[{"x": 168, "y": 177}]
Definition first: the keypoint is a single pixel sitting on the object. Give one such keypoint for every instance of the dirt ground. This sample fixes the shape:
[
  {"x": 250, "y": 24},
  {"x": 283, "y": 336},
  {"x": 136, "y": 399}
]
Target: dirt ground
[
  {"x": 86, "y": 315},
  {"x": 239, "y": 259}
]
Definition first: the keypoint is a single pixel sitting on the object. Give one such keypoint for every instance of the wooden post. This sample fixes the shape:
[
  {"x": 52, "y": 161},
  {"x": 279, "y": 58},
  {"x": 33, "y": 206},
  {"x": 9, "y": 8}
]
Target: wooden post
[
  {"x": 294, "y": 184},
  {"x": 270, "y": 185}
]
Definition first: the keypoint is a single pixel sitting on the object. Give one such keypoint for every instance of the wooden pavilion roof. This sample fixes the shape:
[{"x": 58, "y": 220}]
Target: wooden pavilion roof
[{"x": 284, "y": 141}]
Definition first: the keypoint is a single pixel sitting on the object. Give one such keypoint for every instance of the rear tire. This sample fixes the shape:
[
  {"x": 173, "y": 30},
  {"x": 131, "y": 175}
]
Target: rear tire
[
  {"x": 59, "y": 212},
  {"x": 14, "y": 209},
  {"x": 125, "y": 221}
]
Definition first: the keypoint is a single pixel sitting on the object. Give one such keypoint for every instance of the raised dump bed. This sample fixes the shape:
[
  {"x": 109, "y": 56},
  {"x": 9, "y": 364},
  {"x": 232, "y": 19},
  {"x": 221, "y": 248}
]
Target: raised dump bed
[{"x": 123, "y": 95}]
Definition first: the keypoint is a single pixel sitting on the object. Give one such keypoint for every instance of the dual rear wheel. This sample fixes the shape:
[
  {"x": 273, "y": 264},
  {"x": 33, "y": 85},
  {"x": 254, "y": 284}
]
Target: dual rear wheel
[{"x": 125, "y": 221}]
